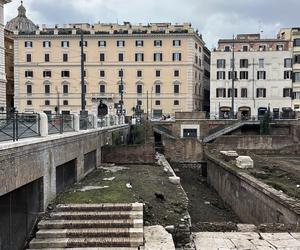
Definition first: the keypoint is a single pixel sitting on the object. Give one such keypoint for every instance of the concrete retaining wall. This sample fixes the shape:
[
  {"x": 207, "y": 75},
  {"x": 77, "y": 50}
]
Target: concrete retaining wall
[
  {"x": 253, "y": 201},
  {"x": 26, "y": 161}
]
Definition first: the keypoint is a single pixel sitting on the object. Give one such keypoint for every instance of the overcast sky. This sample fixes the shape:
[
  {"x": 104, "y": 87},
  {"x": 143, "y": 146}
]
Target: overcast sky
[{"x": 215, "y": 19}]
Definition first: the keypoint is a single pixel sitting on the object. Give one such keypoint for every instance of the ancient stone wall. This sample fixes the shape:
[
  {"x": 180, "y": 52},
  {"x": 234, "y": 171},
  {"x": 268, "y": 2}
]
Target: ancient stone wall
[
  {"x": 129, "y": 154},
  {"x": 253, "y": 201}
]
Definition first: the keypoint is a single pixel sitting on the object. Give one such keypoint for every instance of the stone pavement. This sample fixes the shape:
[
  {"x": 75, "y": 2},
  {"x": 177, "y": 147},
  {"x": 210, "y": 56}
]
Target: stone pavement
[{"x": 246, "y": 241}]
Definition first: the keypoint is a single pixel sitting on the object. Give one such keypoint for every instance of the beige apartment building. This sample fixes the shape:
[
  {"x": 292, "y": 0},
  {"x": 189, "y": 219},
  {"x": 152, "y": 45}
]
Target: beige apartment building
[
  {"x": 293, "y": 35},
  {"x": 161, "y": 66}
]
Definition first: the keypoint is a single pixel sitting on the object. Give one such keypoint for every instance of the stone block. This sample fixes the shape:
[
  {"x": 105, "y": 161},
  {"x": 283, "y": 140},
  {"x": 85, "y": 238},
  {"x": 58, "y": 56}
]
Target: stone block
[
  {"x": 175, "y": 180},
  {"x": 244, "y": 162}
]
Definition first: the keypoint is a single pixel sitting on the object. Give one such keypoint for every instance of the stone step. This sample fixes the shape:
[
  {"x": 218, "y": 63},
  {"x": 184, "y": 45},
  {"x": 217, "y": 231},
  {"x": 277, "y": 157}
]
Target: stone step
[
  {"x": 100, "y": 207},
  {"x": 93, "y": 248},
  {"x": 68, "y": 224},
  {"x": 85, "y": 242},
  {"x": 90, "y": 232},
  {"x": 97, "y": 215}
]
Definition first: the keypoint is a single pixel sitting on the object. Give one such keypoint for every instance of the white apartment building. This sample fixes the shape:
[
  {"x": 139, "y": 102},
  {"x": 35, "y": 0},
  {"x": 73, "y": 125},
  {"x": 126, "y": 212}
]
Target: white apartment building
[{"x": 263, "y": 77}]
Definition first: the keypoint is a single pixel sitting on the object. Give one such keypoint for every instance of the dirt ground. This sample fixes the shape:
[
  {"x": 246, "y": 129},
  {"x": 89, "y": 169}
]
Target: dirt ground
[
  {"x": 146, "y": 180},
  {"x": 205, "y": 205},
  {"x": 282, "y": 172}
]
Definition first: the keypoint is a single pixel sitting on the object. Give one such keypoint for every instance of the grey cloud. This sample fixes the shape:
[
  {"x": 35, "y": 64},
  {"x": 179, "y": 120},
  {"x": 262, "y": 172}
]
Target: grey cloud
[{"x": 215, "y": 18}]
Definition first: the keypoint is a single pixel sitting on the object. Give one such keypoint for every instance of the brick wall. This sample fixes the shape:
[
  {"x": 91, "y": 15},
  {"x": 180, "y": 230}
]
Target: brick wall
[{"x": 129, "y": 154}]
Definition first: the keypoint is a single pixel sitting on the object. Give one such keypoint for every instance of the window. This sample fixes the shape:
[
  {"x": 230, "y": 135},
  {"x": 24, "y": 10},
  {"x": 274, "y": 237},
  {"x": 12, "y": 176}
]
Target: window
[
  {"x": 220, "y": 75},
  {"x": 47, "y": 89},
  {"x": 176, "y": 56},
  {"x": 261, "y": 63},
  {"x": 287, "y": 92},
  {"x": 244, "y": 75},
  {"x": 84, "y": 89},
  {"x": 261, "y": 93},
  {"x": 139, "y": 57},
  {"x": 46, "y": 44},
  {"x": 176, "y": 102},
  {"x": 47, "y": 102},
  {"x": 279, "y": 47},
  {"x": 221, "y": 63},
  {"x": 227, "y": 48},
  {"x": 157, "y": 73},
  {"x": 65, "y": 44},
  {"x": 244, "y": 92},
  {"x": 297, "y": 59},
  {"x": 176, "y": 73},
  {"x": 65, "y": 57},
  {"x": 121, "y": 73},
  {"x": 288, "y": 62},
  {"x": 196, "y": 59},
  {"x": 102, "y": 57},
  {"x": 29, "y": 89},
  {"x": 65, "y": 73},
  {"x": 262, "y": 47},
  {"x": 84, "y": 57},
  {"x": 139, "y": 103},
  {"x": 296, "y": 42},
  {"x": 102, "y": 73},
  {"x": 157, "y": 89},
  {"x": 296, "y": 77},
  {"x": 102, "y": 44},
  {"x": 235, "y": 93},
  {"x": 29, "y": 102},
  {"x": 196, "y": 46},
  {"x": 157, "y": 43},
  {"x": 139, "y": 73},
  {"x": 85, "y": 43},
  {"x": 28, "y": 57},
  {"x": 121, "y": 57},
  {"x": 28, "y": 44},
  {"x": 244, "y": 63},
  {"x": 261, "y": 75},
  {"x": 139, "y": 89},
  {"x": 157, "y": 57},
  {"x": 287, "y": 74},
  {"x": 176, "y": 43},
  {"x": 47, "y": 58},
  {"x": 157, "y": 103},
  {"x": 47, "y": 73},
  {"x": 29, "y": 73},
  {"x": 65, "y": 102},
  {"x": 245, "y": 48},
  {"x": 120, "y": 44},
  {"x": 176, "y": 89},
  {"x": 230, "y": 75},
  {"x": 102, "y": 88},
  {"x": 65, "y": 89},
  {"x": 220, "y": 92},
  {"x": 139, "y": 43}
]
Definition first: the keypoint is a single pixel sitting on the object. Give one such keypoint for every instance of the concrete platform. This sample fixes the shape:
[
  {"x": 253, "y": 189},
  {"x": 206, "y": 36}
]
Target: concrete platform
[
  {"x": 157, "y": 238},
  {"x": 244, "y": 240}
]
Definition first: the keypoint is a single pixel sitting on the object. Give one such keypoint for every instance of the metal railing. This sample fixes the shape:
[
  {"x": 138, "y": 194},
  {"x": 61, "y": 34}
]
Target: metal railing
[
  {"x": 60, "y": 124},
  {"x": 15, "y": 126},
  {"x": 86, "y": 122}
]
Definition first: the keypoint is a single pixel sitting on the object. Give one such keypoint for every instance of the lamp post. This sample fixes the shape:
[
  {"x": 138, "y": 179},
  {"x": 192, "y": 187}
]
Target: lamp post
[
  {"x": 121, "y": 94},
  {"x": 83, "y": 112}
]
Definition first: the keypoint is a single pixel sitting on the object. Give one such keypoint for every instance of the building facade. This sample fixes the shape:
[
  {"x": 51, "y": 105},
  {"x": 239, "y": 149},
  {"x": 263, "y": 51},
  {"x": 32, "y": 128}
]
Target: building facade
[
  {"x": 161, "y": 66},
  {"x": 9, "y": 69},
  {"x": 293, "y": 35},
  {"x": 263, "y": 76},
  {"x": 2, "y": 58}
]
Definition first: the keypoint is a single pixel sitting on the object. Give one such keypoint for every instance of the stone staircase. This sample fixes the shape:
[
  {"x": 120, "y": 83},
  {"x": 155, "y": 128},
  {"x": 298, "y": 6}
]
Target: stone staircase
[{"x": 99, "y": 226}]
